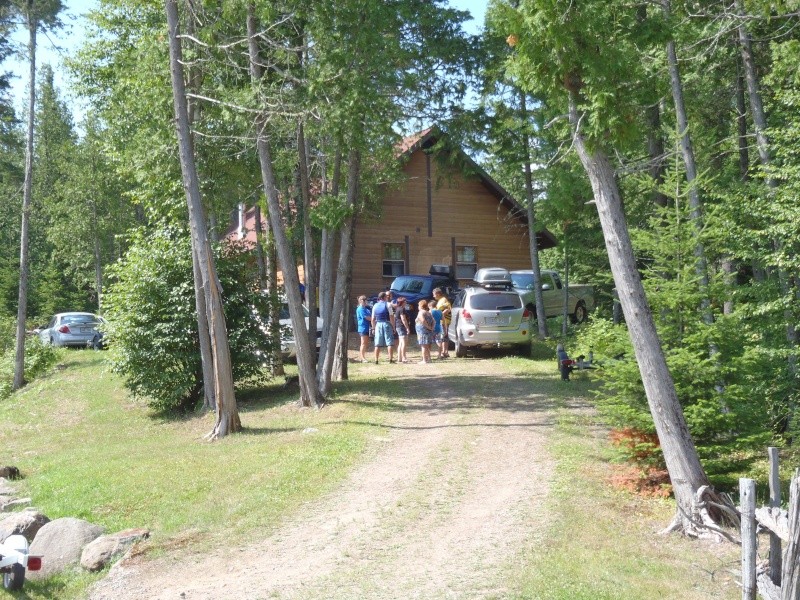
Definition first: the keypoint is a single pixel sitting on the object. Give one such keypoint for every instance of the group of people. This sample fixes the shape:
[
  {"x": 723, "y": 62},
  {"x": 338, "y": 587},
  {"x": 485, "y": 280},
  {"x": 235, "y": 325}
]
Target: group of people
[{"x": 388, "y": 320}]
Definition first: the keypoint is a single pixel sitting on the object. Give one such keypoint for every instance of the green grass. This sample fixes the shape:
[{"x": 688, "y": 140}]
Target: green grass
[
  {"x": 89, "y": 451},
  {"x": 603, "y": 543}
]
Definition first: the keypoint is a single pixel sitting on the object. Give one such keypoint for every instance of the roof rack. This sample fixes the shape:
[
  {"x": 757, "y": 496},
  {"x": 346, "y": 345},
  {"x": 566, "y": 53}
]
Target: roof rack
[{"x": 493, "y": 278}]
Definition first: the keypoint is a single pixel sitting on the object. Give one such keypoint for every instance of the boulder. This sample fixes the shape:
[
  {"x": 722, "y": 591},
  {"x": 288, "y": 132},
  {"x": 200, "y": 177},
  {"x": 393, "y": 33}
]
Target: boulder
[
  {"x": 26, "y": 523},
  {"x": 60, "y": 543},
  {"x": 108, "y": 548},
  {"x": 6, "y": 489},
  {"x": 9, "y": 503}
]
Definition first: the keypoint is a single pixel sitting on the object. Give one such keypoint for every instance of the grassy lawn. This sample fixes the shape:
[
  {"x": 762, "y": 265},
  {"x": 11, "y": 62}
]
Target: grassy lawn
[
  {"x": 88, "y": 450},
  {"x": 603, "y": 543}
]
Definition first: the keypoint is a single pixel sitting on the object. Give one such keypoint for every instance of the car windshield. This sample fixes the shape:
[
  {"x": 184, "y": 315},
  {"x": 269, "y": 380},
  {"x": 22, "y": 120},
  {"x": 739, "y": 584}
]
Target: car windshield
[
  {"x": 411, "y": 285},
  {"x": 522, "y": 281},
  {"x": 285, "y": 312},
  {"x": 76, "y": 319},
  {"x": 496, "y": 301}
]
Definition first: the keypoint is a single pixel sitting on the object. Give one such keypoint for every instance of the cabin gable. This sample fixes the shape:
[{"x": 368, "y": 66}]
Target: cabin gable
[{"x": 439, "y": 216}]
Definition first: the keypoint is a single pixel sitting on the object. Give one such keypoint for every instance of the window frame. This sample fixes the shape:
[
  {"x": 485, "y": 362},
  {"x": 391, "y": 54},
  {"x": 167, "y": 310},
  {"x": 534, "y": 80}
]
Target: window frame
[
  {"x": 402, "y": 262},
  {"x": 465, "y": 263}
]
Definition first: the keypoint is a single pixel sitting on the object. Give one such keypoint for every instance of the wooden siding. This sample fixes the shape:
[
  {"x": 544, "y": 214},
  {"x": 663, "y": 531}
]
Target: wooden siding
[{"x": 464, "y": 209}]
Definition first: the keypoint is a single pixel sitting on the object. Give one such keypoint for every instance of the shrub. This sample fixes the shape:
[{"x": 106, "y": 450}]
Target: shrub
[
  {"x": 39, "y": 358},
  {"x": 152, "y": 332}
]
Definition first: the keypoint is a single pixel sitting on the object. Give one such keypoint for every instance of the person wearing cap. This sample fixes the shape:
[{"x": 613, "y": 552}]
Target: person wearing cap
[{"x": 383, "y": 322}]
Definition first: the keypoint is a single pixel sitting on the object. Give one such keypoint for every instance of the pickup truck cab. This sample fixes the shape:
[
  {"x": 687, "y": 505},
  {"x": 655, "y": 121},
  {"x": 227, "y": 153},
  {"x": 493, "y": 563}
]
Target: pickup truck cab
[{"x": 580, "y": 299}]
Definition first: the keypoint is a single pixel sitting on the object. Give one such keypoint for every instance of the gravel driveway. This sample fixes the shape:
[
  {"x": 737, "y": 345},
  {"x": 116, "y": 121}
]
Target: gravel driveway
[{"x": 453, "y": 488}]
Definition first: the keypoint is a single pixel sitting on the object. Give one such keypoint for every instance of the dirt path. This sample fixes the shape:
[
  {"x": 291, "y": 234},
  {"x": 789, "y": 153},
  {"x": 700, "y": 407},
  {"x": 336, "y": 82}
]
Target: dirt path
[{"x": 454, "y": 489}]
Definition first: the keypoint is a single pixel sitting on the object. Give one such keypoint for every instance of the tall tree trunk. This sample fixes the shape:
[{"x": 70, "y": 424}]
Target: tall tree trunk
[
  {"x": 227, "y": 420},
  {"x": 340, "y": 297},
  {"x": 655, "y": 149},
  {"x": 203, "y": 337},
  {"x": 98, "y": 272},
  {"x": 533, "y": 243},
  {"x": 271, "y": 255},
  {"x": 328, "y": 252},
  {"x": 342, "y": 343},
  {"x": 695, "y": 204},
  {"x": 565, "y": 310},
  {"x": 22, "y": 305},
  {"x": 309, "y": 393},
  {"x": 327, "y": 272},
  {"x": 680, "y": 454},
  {"x": 310, "y": 260},
  {"x": 261, "y": 263}
]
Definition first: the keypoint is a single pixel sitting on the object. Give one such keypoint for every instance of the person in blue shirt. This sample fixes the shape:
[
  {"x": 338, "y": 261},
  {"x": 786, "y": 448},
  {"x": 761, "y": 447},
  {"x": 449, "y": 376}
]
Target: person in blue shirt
[
  {"x": 383, "y": 323},
  {"x": 363, "y": 324},
  {"x": 437, "y": 325}
]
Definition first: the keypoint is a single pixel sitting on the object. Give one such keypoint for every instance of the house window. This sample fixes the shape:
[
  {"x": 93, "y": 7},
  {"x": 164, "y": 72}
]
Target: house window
[
  {"x": 466, "y": 261},
  {"x": 394, "y": 260}
]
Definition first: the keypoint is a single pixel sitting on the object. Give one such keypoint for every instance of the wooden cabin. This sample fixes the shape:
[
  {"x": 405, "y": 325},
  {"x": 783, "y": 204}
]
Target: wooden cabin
[
  {"x": 437, "y": 215},
  {"x": 441, "y": 216}
]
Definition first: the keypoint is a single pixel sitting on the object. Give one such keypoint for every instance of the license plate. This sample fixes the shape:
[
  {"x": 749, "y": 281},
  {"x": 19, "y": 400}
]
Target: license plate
[
  {"x": 85, "y": 329},
  {"x": 496, "y": 320}
]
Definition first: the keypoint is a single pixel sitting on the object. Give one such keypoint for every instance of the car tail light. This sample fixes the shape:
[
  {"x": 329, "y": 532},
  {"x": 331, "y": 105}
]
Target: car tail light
[
  {"x": 526, "y": 314},
  {"x": 34, "y": 563},
  {"x": 467, "y": 317},
  {"x": 63, "y": 329}
]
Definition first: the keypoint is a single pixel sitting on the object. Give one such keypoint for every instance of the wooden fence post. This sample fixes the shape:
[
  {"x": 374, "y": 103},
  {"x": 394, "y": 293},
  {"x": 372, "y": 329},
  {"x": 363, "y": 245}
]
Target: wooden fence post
[
  {"x": 747, "y": 501},
  {"x": 774, "y": 502},
  {"x": 790, "y": 577}
]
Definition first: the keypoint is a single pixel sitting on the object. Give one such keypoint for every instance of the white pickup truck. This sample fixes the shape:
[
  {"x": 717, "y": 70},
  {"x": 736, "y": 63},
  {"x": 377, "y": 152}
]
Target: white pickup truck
[{"x": 580, "y": 298}]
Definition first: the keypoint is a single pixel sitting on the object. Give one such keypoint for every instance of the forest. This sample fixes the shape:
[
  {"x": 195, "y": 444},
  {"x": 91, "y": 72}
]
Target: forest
[{"x": 657, "y": 140}]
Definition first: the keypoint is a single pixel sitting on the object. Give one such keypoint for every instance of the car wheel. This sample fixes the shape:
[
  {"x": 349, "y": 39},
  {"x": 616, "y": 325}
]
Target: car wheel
[
  {"x": 461, "y": 351},
  {"x": 15, "y": 578},
  {"x": 580, "y": 314}
]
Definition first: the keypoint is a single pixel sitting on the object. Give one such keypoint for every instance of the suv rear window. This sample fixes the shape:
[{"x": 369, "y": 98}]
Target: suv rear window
[{"x": 495, "y": 301}]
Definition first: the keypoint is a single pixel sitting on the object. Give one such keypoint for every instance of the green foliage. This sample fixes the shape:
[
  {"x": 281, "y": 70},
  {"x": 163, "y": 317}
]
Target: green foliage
[
  {"x": 716, "y": 368},
  {"x": 153, "y": 326},
  {"x": 39, "y": 358},
  {"x": 330, "y": 212}
]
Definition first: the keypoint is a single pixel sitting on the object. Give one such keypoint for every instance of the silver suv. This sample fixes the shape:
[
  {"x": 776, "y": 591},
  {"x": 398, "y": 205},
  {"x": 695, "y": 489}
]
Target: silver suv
[{"x": 489, "y": 317}]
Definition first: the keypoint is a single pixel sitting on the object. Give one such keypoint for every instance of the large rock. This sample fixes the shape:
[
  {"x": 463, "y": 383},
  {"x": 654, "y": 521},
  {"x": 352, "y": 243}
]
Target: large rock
[
  {"x": 26, "y": 523},
  {"x": 9, "y": 503},
  {"x": 60, "y": 543},
  {"x": 107, "y": 548}
]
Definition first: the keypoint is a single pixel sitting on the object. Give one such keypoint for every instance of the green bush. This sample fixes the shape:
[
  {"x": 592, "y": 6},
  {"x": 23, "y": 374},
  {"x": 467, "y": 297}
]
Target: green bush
[
  {"x": 39, "y": 358},
  {"x": 152, "y": 331}
]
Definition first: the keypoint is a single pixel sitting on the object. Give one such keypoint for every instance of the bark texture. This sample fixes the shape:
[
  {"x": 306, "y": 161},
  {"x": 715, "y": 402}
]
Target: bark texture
[
  {"x": 227, "y": 416},
  {"x": 541, "y": 318},
  {"x": 309, "y": 393},
  {"x": 341, "y": 295},
  {"x": 24, "y": 232},
  {"x": 680, "y": 454}
]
